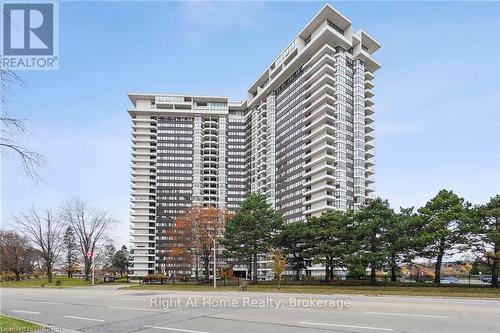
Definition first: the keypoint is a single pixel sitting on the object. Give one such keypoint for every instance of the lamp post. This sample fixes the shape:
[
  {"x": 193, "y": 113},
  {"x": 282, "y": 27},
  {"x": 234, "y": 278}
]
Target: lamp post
[
  {"x": 215, "y": 264},
  {"x": 213, "y": 238}
]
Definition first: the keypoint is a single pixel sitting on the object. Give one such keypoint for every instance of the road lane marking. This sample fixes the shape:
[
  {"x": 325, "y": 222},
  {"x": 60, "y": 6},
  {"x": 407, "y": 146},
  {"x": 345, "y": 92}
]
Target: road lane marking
[
  {"x": 173, "y": 329},
  {"x": 408, "y": 314},
  {"x": 135, "y": 309},
  {"x": 47, "y": 302},
  {"x": 127, "y": 299},
  {"x": 81, "y": 296},
  {"x": 22, "y": 311},
  {"x": 347, "y": 326},
  {"x": 83, "y": 318}
]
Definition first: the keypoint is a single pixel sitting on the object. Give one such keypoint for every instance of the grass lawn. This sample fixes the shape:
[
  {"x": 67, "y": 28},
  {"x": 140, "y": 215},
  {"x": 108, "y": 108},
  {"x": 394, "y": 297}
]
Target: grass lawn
[
  {"x": 449, "y": 291},
  {"x": 9, "y": 324},
  {"x": 65, "y": 282},
  {"x": 32, "y": 283}
]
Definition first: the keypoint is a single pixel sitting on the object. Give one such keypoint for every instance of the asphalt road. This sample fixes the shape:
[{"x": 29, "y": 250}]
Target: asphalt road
[{"x": 107, "y": 309}]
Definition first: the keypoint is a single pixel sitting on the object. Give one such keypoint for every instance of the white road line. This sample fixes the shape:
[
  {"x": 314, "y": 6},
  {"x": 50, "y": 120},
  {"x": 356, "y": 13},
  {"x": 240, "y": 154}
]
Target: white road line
[
  {"x": 22, "y": 311},
  {"x": 81, "y": 296},
  {"x": 173, "y": 329},
  {"x": 83, "y": 318},
  {"x": 127, "y": 299},
  {"x": 347, "y": 326},
  {"x": 46, "y": 302},
  {"x": 135, "y": 309},
  {"x": 408, "y": 315},
  {"x": 443, "y": 300}
]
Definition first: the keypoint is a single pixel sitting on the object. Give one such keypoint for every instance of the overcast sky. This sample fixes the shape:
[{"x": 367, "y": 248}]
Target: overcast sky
[{"x": 437, "y": 100}]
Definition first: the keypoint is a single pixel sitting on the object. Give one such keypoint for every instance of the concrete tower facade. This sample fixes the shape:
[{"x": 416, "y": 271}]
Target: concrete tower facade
[{"x": 304, "y": 138}]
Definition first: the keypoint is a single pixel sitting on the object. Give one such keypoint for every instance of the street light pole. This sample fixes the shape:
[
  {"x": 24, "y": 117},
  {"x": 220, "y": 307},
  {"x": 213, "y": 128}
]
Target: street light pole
[{"x": 215, "y": 266}]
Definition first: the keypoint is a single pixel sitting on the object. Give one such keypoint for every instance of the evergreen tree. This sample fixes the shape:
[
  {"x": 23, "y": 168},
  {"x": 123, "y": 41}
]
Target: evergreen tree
[
  {"x": 487, "y": 231},
  {"x": 293, "y": 239},
  {"x": 251, "y": 230},
  {"x": 71, "y": 250},
  {"x": 372, "y": 224},
  {"x": 329, "y": 240},
  {"x": 120, "y": 260},
  {"x": 401, "y": 244},
  {"x": 108, "y": 256},
  {"x": 444, "y": 227}
]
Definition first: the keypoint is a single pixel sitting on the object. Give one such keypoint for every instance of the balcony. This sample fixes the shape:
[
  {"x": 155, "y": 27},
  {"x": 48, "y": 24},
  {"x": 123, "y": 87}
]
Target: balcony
[
  {"x": 324, "y": 169},
  {"x": 325, "y": 89},
  {"x": 327, "y": 78},
  {"x": 323, "y": 208},
  {"x": 369, "y": 144},
  {"x": 369, "y": 127},
  {"x": 369, "y": 111},
  {"x": 322, "y": 101}
]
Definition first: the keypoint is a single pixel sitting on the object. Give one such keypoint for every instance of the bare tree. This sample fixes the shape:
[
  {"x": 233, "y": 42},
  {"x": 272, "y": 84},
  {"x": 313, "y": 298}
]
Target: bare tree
[
  {"x": 11, "y": 126},
  {"x": 16, "y": 255},
  {"x": 45, "y": 232},
  {"x": 90, "y": 226},
  {"x": 7, "y": 78}
]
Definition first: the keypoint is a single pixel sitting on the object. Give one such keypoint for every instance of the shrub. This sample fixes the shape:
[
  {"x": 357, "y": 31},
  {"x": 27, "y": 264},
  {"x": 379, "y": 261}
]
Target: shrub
[
  {"x": 356, "y": 273},
  {"x": 155, "y": 278},
  {"x": 7, "y": 277},
  {"x": 58, "y": 283}
]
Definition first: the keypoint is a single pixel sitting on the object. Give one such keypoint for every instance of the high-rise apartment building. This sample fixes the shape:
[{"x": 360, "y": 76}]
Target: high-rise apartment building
[{"x": 304, "y": 137}]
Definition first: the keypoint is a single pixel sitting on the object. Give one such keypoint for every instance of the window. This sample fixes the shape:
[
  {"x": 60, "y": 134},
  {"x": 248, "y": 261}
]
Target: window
[{"x": 334, "y": 26}]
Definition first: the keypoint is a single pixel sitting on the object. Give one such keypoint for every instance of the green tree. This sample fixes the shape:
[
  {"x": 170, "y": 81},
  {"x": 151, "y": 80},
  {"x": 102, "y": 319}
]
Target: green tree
[
  {"x": 373, "y": 222},
  {"x": 120, "y": 260},
  {"x": 329, "y": 240},
  {"x": 443, "y": 221},
  {"x": 401, "y": 245},
  {"x": 70, "y": 250},
  {"x": 487, "y": 229},
  {"x": 293, "y": 239},
  {"x": 251, "y": 230}
]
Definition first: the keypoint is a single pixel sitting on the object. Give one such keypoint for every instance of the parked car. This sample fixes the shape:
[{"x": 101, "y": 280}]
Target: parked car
[
  {"x": 449, "y": 279},
  {"x": 488, "y": 279}
]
